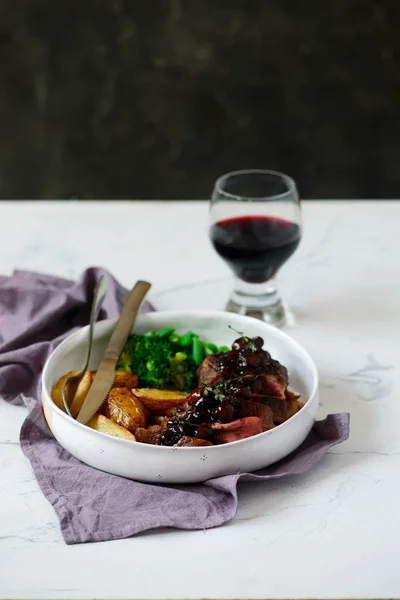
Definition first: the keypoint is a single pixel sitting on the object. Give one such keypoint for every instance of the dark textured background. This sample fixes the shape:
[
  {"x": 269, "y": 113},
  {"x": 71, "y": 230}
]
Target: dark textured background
[{"x": 155, "y": 99}]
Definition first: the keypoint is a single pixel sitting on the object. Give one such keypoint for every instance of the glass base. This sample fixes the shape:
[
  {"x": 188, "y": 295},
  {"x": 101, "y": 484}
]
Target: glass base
[{"x": 260, "y": 301}]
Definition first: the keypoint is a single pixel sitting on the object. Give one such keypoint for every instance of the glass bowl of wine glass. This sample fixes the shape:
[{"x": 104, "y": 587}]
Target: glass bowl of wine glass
[{"x": 255, "y": 226}]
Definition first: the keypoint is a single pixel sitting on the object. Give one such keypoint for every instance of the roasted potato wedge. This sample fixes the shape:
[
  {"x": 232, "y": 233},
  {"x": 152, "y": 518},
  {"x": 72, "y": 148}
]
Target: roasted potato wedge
[
  {"x": 124, "y": 409},
  {"x": 101, "y": 423},
  {"x": 80, "y": 395},
  {"x": 125, "y": 379},
  {"x": 159, "y": 400},
  {"x": 56, "y": 392}
]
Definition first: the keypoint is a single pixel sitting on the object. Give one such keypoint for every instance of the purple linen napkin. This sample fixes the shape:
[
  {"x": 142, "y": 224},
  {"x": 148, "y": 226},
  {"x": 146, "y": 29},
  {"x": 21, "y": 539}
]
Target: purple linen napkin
[{"x": 36, "y": 313}]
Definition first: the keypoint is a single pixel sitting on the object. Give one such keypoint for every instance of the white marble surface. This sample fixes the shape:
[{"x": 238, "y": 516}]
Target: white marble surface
[{"x": 333, "y": 533}]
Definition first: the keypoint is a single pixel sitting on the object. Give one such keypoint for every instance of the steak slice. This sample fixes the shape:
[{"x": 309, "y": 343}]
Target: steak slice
[
  {"x": 210, "y": 372},
  {"x": 148, "y": 435},
  {"x": 278, "y": 406},
  {"x": 262, "y": 411},
  {"x": 192, "y": 441},
  {"x": 236, "y": 430},
  {"x": 293, "y": 404},
  {"x": 281, "y": 369},
  {"x": 272, "y": 384},
  {"x": 180, "y": 410}
]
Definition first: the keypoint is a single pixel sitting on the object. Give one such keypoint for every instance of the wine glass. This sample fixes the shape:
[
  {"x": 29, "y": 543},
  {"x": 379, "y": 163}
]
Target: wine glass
[{"x": 255, "y": 226}]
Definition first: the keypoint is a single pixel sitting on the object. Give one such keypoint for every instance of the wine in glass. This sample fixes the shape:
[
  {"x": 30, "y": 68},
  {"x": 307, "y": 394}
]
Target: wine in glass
[{"x": 255, "y": 226}]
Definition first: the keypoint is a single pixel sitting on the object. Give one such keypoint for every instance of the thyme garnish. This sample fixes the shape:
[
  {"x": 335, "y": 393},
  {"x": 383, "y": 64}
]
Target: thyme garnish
[
  {"x": 249, "y": 342},
  {"x": 219, "y": 389}
]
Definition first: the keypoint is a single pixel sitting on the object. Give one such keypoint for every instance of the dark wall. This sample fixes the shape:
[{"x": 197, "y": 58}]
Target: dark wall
[{"x": 155, "y": 99}]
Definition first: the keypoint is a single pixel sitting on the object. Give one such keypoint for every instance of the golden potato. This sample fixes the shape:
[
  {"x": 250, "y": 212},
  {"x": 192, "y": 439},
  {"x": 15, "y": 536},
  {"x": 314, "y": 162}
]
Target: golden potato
[
  {"x": 56, "y": 392},
  {"x": 124, "y": 409},
  {"x": 125, "y": 379},
  {"x": 101, "y": 423},
  {"x": 159, "y": 400},
  {"x": 80, "y": 394}
]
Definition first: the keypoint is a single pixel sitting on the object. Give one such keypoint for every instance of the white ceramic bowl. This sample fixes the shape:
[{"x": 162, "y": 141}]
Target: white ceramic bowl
[{"x": 145, "y": 462}]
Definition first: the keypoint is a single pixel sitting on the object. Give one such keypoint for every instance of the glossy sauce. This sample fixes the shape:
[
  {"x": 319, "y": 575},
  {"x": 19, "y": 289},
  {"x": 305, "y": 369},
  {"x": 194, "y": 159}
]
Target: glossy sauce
[{"x": 227, "y": 400}]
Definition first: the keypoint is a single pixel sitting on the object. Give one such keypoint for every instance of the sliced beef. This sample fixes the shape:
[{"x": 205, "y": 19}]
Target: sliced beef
[
  {"x": 280, "y": 369},
  {"x": 160, "y": 420},
  {"x": 245, "y": 360},
  {"x": 179, "y": 411},
  {"x": 192, "y": 441},
  {"x": 237, "y": 430},
  {"x": 241, "y": 393},
  {"x": 210, "y": 370},
  {"x": 272, "y": 384},
  {"x": 260, "y": 410},
  {"x": 277, "y": 405},
  {"x": 148, "y": 435},
  {"x": 293, "y": 404}
]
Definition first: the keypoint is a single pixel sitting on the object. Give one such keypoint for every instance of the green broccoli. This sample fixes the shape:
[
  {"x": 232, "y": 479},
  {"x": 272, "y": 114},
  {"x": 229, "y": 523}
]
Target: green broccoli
[
  {"x": 182, "y": 374},
  {"x": 150, "y": 360},
  {"x": 162, "y": 359},
  {"x": 126, "y": 356}
]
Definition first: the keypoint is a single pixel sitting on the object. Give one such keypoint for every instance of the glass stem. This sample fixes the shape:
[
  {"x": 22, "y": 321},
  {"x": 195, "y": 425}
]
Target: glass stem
[{"x": 259, "y": 300}]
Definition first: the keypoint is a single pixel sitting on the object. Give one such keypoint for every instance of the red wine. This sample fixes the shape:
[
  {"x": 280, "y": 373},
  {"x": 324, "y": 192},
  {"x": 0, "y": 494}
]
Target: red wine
[{"x": 255, "y": 247}]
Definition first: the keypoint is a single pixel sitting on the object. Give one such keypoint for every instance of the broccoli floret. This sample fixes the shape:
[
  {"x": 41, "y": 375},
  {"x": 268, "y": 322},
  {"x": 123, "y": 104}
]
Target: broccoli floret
[
  {"x": 150, "y": 360},
  {"x": 158, "y": 363},
  {"x": 182, "y": 375},
  {"x": 126, "y": 356}
]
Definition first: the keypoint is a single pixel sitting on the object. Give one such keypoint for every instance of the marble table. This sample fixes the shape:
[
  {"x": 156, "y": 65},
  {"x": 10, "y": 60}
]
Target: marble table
[{"x": 333, "y": 533}]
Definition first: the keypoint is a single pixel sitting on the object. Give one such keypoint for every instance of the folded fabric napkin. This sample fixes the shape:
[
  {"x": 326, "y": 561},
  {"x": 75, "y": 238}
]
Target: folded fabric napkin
[{"x": 36, "y": 313}]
